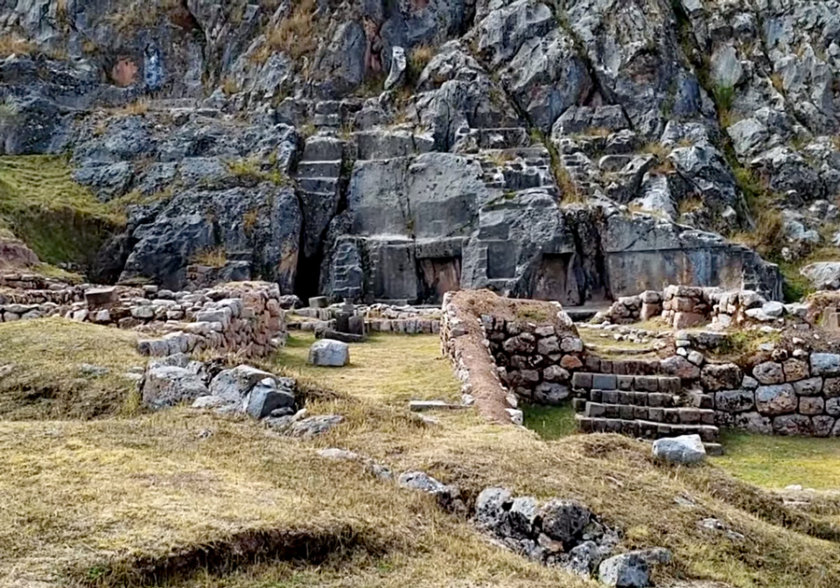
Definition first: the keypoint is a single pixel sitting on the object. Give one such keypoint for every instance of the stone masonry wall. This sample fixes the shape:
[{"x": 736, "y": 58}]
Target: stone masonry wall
[
  {"x": 239, "y": 317},
  {"x": 790, "y": 389}
]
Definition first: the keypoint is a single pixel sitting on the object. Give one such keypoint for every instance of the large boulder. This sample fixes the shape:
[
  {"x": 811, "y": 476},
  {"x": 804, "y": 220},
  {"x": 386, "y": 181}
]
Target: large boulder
[
  {"x": 823, "y": 275},
  {"x": 168, "y": 384},
  {"x": 683, "y": 450},
  {"x": 628, "y": 570},
  {"x": 329, "y": 353}
]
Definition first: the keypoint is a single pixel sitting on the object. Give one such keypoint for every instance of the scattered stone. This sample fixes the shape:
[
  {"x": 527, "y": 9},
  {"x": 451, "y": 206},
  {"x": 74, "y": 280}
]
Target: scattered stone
[
  {"x": 329, "y": 353},
  {"x": 683, "y": 450}
]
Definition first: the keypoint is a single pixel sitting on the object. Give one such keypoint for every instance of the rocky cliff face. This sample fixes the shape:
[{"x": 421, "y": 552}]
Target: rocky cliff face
[{"x": 564, "y": 149}]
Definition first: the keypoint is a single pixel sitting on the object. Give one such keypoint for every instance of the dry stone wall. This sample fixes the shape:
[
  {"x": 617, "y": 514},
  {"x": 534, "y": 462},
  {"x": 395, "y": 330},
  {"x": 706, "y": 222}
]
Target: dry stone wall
[
  {"x": 685, "y": 307},
  {"x": 239, "y": 317},
  {"x": 790, "y": 388}
]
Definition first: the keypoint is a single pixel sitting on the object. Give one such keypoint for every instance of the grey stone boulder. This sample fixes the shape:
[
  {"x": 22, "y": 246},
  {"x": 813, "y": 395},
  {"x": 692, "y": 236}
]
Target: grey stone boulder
[
  {"x": 628, "y": 570},
  {"x": 168, "y": 385},
  {"x": 329, "y": 353},
  {"x": 491, "y": 506},
  {"x": 314, "y": 426},
  {"x": 775, "y": 400},
  {"x": 825, "y": 364},
  {"x": 233, "y": 385},
  {"x": 823, "y": 275},
  {"x": 446, "y": 495},
  {"x": 268, "y": 395},
  {"x": 564, "y": 520},
  {"x": 683, "y": 450}
]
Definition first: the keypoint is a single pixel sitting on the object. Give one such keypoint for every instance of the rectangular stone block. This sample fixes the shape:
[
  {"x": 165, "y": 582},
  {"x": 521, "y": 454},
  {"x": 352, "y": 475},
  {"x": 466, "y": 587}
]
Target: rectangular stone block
[
  {"x": 689, "y": 416},
  {"x": 646, "y": 383},
  {"x": 625, "y": 397},
  {"x": 625, "y": 411},
  {"x": 640, "y": 398},
  {"x": 579, "y": 404},
  {"x": 609, "y": 396},
  {"x": 604, "y": 381},
  {"x": 624, "y": 382},
  {"x": 596, "y": 395},
  {"x": 595, "y": 410},
  {"x": 582, "y": 380},
  {"x": 670, "y": 384}
]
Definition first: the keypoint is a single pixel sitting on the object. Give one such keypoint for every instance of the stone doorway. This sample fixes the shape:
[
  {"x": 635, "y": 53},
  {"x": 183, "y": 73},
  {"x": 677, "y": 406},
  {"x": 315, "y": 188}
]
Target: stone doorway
[
  {"x": 556, "y": 279},
  {"x": 438, "y": 276}
]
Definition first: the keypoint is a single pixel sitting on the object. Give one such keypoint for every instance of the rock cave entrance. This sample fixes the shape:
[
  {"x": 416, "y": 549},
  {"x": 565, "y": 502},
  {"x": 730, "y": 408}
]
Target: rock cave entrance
[
  {"x": 556, "y": 279},
  {"x": 438, "y": 275}
]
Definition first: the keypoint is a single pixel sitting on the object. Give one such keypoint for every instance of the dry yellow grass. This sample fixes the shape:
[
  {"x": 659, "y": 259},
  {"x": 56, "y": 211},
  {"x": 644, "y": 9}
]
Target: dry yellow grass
[
  {"x": 42, "y": 373},
  {"x": 215, "y": 257},
  {"x": 14, "y": 45},
  {"x": 90, "y": 502}
]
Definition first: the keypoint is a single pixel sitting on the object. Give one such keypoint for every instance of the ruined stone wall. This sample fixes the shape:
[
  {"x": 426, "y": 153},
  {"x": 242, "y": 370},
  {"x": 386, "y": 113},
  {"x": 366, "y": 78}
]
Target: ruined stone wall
[
  {"x": 794, "y": 393},
  {"x": 239, "y": 317},
  {"x": 684, "y": 307},
  {"x": 790, "y": 388}
]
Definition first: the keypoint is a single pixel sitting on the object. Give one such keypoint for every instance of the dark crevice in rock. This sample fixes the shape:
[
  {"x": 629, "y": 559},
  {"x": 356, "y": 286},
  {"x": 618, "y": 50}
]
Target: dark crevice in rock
[
  {"x": 597, "y": 90},
  {"x": 692, "y": 50}
]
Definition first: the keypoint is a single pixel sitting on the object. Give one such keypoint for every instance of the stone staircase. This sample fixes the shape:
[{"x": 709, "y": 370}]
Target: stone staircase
[
  {"x": 318, "y": 180},
  {"x": 516, "y": 169},
  {"x": 649, "y": 406}
]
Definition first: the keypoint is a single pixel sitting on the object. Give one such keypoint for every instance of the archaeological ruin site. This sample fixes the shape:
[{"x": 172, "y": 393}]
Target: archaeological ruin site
[{"x": 445, "y": 293}]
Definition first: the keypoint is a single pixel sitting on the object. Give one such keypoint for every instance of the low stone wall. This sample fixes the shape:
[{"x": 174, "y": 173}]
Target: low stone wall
[
  {"x": 684, "y": 307},
  {"x": 787, "y": 388},
  {"x": 463, "y": 342},
  {"x": 240, "y": 317},
  {"x": 379, "y": 318},
  {"x": 786, "y": 394},
  {"x": 535, "y": 359}
]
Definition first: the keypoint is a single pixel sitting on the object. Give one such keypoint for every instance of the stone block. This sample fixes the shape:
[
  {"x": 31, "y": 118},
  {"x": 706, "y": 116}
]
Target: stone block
[
  {"x": 604, "y": 381},
  {"x": 793, "y": 424},
  {"x": 775, "y": 400},
  {"x": 825, "y": 364},
  {"x": 795, "y": 370},
  {"x": 769, "y": 372},
  {"x": 330, "y": 353},
  {"x": 809, "y": 387},
  {"x": 735, "y": 400},
  {"x": 811, "y": 405}
]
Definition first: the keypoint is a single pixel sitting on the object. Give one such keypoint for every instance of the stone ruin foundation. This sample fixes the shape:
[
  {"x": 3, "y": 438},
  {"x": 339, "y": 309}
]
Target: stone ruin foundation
[{"x": 507, "y": 351}]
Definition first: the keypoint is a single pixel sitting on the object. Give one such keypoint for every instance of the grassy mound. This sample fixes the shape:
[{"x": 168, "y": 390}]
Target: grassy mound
[
  {"x": 45, "y": 370},
  {"x": 181, "y": 498},
  {"x": 56, "y": 217}
]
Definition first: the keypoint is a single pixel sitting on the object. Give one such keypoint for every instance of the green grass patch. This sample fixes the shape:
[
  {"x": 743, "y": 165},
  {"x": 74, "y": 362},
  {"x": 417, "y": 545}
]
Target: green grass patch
[
  {"x": 57, "y": 218},
  {"x": 550, "y": 422},
  {"x": 777, "y": 462},
  {"x": 392, "y": 369}
]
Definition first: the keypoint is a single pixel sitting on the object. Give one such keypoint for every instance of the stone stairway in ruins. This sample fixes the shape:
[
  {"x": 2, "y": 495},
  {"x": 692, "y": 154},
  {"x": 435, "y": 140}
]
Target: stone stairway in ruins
[
  {"x": 518, "y": 168},
  {"x": 645, "y": 406}
]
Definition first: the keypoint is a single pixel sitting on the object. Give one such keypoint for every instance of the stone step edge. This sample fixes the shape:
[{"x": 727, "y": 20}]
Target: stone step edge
[
  {"x": 703, "y": 416},
  {"x": 708, "y": 433},
  {"x": 599, "y": 381},
  {"x": 651, "y": 399}
]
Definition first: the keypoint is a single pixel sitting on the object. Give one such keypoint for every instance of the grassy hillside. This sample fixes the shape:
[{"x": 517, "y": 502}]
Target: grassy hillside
[
  {"x": 45, "y": 370},
  {"x": 181, "y": 498},
  {"x": 56, "y": 217}
]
